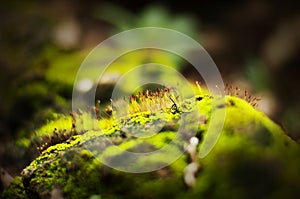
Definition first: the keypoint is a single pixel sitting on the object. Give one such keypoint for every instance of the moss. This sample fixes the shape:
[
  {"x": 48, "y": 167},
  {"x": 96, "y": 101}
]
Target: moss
[
  {"x": 252, "y": 158},
  {"x": 15, "y": 190}
]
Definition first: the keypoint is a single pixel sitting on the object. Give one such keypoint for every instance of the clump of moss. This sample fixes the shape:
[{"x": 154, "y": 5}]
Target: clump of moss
[
  {"x": 252, "y": 158},
  {"x": 15, "y": 189}
]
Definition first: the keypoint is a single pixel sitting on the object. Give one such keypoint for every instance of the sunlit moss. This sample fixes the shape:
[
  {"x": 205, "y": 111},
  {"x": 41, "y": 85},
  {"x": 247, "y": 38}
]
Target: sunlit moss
[{"x": 252, "y": 150}]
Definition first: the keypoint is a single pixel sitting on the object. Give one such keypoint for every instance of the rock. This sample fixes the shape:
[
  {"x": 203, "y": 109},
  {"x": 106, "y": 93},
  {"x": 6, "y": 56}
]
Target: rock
[
  {"x": 6, "y": 179},
  {"x": 253, "y": 158}
]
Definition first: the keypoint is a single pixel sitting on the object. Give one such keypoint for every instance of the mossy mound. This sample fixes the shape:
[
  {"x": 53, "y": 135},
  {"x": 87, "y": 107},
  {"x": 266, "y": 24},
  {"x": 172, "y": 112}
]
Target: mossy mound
[{"x": 252, "y": 158}]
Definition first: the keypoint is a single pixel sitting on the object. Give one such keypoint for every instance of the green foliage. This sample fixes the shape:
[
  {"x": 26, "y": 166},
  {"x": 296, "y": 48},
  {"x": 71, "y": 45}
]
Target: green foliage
[
  {"x": 258, "y": 75},
  {"x": 152, "y": 16}
]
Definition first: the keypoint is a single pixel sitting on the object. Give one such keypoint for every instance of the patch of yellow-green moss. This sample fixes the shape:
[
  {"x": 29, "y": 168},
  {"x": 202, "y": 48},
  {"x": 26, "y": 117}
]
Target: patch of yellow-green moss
[
  {"x": 252, "y": 158},
  {"x": 15, "y": 189}
]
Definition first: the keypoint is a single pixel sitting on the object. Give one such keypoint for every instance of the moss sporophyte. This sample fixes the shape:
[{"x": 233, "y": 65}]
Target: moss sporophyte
[{"x": 252, "y": 157}]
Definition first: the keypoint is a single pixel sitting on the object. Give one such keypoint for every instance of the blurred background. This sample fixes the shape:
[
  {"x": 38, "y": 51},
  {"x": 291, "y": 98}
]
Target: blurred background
[{"x": 254, "y": 43}]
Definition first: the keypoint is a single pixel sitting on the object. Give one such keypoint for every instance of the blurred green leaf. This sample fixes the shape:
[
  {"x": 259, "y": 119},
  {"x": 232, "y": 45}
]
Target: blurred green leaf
[{"x": 257, "y": 74}]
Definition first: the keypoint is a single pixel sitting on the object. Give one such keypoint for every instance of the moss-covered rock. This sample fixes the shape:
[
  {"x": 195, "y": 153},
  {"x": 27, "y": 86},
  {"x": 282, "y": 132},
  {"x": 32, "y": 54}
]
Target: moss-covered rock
[
  {"x": 15, "y": 190},
  {"x": 252, "y": 158}
]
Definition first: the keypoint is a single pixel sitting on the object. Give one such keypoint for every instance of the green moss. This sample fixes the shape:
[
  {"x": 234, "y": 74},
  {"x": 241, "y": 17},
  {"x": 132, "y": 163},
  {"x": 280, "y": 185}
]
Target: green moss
[
  {"x": 15, "y": 190},
  {"x": 252, "y": 158}
]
